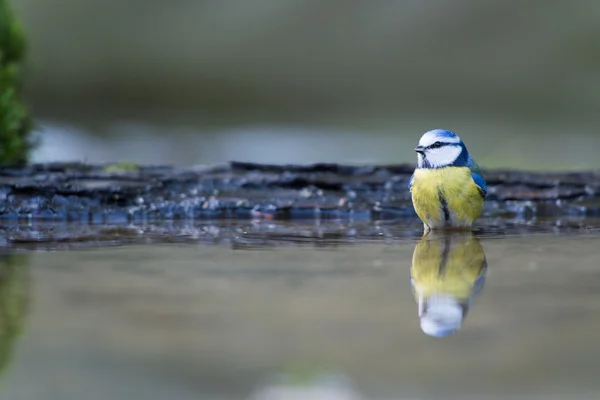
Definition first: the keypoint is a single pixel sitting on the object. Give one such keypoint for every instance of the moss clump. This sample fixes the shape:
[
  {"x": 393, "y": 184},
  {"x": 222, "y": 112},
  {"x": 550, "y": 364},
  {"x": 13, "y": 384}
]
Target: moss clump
[
  {"x": 121, "y": 167},
  {"x": 15, "y": 122}
]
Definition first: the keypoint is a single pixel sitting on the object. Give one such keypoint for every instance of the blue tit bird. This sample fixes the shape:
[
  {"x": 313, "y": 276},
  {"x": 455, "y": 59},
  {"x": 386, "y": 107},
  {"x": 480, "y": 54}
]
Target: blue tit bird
[
  {"x": 448, "y": 271},
  {"x": 447, "y": 186}
]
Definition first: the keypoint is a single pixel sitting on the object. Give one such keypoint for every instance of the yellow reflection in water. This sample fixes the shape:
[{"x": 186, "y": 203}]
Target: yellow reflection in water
[{"x": 448, "y": 270}]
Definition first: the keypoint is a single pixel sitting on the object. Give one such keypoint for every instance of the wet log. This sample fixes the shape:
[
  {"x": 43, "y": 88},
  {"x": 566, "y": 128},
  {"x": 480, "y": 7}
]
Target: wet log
[{"x": 117, "y": 194}]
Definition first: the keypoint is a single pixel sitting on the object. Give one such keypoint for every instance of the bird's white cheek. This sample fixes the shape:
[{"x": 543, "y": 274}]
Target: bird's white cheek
[
  {"x": 443, "y": 156},
  {"x": 420, "y": 160}
]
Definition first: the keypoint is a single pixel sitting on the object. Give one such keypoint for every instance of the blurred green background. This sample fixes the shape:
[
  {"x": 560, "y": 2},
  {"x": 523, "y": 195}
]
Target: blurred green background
[{"x": 277, "y": 81}]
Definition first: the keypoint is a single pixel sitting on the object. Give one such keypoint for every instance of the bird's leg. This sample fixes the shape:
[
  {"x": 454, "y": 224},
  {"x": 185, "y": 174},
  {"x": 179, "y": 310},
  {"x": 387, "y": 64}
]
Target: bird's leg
[{"x": 426, "y": 229}]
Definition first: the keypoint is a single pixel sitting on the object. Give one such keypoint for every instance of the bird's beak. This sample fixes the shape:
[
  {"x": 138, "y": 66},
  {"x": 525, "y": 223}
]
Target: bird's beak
[{"x": 420, "y": 149}]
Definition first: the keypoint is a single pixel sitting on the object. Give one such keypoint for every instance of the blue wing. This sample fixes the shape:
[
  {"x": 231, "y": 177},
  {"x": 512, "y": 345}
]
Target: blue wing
[
  {"x": 410, "y": 181},
  {"x": 477, "y": 178},
  {"x": 480, "y": 182}
]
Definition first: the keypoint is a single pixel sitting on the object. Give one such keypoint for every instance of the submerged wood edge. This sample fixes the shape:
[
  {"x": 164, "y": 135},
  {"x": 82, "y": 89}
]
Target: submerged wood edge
[{"x": 129, "y": 192}]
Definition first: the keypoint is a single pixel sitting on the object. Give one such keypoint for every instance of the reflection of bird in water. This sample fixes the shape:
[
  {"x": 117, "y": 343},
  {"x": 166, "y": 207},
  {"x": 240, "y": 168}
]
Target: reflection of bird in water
[{"x": 448, "y": 271}]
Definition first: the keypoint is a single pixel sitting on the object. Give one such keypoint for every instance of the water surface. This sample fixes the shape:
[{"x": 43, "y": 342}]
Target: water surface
[{"x": 309, "y": 319}]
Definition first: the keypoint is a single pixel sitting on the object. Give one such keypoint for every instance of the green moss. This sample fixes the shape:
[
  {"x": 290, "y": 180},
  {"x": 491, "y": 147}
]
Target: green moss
[
  {"x": 15, "y": 123},
  {"x": 121, "y": 167}
]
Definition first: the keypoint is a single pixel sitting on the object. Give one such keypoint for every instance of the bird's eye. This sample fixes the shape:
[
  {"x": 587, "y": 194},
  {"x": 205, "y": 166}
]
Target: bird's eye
[{"x": 436, "y": 145}]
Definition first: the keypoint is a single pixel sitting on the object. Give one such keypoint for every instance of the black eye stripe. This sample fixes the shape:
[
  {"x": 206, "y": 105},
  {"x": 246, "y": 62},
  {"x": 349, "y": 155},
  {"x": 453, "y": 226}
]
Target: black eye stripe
[{"x": 436, "y": 145}]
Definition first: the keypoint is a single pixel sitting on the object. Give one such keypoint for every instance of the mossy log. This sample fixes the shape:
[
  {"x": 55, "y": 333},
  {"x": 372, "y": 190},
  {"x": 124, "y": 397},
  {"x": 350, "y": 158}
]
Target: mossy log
[
  {"x": 71, "y": 205},
  {"x": 104, "y": 193}
]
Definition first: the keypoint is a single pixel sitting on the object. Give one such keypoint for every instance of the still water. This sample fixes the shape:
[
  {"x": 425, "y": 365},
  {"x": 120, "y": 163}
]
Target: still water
[{"x": 503, "y": 315}]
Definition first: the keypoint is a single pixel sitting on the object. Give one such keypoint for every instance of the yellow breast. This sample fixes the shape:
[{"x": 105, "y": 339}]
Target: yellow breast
[{"x": 454, "y": 186}]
